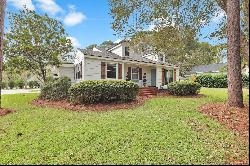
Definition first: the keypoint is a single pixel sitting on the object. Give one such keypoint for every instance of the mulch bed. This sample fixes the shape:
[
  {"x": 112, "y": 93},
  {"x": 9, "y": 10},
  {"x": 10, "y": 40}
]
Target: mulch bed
[
  {"x": 103, "y": 106},
  {"x": 5, "y": 111},
  {"x": 236, "y": 119},
  {"x": 90, "y": 107}
]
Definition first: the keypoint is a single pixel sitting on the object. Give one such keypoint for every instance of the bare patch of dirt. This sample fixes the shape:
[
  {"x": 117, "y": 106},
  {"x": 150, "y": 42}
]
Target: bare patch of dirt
[
  {"x": 90, "y": 107},
  {"x": 5, "y": 111},
  {"x": 236, "y": 119}
]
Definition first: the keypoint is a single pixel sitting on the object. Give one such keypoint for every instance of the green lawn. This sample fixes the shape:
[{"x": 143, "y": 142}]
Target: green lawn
[{"x": 163, "y": 131}]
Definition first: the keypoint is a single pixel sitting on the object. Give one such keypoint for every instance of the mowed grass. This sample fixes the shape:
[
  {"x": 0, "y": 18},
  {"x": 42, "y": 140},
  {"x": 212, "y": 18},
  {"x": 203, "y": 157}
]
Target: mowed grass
[{"x": 163, "y": 131}]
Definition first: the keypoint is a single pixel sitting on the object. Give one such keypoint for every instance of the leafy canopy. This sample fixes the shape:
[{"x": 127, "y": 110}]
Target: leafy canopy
[{"x": 36, "y": 42}]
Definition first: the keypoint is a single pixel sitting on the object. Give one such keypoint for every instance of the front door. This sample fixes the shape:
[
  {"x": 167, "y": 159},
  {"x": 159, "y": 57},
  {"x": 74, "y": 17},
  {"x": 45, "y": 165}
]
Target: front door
[{"x": 153, "y": 77}]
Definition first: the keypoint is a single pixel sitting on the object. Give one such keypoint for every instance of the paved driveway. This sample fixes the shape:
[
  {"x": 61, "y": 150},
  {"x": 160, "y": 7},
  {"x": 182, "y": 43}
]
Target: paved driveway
[{"x": 17, "y": 91}]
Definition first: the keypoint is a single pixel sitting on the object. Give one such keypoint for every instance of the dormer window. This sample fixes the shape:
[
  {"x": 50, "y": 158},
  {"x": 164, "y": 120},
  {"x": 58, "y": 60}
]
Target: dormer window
[{"x": 126, "y": 51}]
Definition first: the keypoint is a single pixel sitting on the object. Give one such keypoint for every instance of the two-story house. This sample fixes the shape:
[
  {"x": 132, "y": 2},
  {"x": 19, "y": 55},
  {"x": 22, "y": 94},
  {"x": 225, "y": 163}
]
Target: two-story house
[{"x": 121, "y": 63}]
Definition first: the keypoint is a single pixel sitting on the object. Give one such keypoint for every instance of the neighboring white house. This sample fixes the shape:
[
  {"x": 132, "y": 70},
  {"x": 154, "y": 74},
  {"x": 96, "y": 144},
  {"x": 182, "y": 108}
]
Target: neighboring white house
[{"x": 119, "y": 63}]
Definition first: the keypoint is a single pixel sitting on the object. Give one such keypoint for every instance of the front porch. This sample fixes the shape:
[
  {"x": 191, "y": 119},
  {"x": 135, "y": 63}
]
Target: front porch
[{"x": 150, "y": 75}]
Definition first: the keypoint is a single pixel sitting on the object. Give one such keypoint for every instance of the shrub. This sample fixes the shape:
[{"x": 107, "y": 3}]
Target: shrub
[
  {"x": 218, "y": 80},
  {"x": 4, "y": 85},
  {"x": 206, "y": 80},
  {"x": 20, "y": 83},
  {"x": 103, "y": 91},
  {"x": 56, "y": 89},
  {"x": 11, "y": 84},
  {"x": 245, "y": 80},
  {"x": 184, "y": 88},
  {"x": 33, "y": 84}
]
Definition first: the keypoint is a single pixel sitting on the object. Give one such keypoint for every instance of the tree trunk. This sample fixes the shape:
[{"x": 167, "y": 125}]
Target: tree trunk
[
  {"x": 235, "y": 96},
  {"x": 2, "y": 14},
  {"x": 44, "y": 75}
]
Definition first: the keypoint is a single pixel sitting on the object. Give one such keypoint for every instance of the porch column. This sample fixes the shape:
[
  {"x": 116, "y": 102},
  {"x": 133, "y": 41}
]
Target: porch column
[
  {"x": 158, "y": 77},
  {"x": 123, "y": 72},
  {"x": 177, "y": 74}
]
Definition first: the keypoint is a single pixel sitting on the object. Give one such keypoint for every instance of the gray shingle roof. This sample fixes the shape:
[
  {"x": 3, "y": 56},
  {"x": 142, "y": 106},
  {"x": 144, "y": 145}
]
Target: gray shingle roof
[
  {"x": 211, "y": 68},
  {"x": 108, "y": 54}
]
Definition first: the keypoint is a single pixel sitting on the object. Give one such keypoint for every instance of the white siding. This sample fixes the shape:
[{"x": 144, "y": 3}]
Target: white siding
[
  {"x": 92, "y": 69},
  {"x": 119, "y": 50},
  {"x": 67, "y": 72}
]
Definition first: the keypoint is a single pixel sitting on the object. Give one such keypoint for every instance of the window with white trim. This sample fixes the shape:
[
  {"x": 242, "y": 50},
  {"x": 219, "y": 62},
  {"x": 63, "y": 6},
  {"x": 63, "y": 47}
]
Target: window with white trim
[
  {"x": 135, "y": 73},
  {"x": 111, "y": 70}
]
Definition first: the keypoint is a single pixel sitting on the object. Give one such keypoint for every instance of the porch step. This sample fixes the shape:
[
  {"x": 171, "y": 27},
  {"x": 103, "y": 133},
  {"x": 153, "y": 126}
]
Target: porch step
[{"x": 148, "y": 91}]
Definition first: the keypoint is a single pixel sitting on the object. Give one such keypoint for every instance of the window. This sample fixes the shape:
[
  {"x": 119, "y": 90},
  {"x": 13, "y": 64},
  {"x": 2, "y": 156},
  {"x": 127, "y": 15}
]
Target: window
[
  {"x": 78, "y": 71},
  {"x": 161, "y": 58},
  {"x": 111, "y": 70},
  {"x": 126, "y": 51},
  {"x": 135, "y": 73},
  {"x": 169, "y": 76}
]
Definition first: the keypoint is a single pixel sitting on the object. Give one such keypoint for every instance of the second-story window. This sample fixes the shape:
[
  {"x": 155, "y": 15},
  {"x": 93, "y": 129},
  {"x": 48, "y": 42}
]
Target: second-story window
[{"x": 126, "y": 51}]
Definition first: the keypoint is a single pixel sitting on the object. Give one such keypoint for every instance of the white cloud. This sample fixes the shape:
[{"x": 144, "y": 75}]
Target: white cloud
[
  {"x": 21, "y": 3},
  {"x": 49, "y": 6},
  {"x": 218, "y": 16},
  {"x": 74, "y": 41},
  {"x": 73, "y": 17}
]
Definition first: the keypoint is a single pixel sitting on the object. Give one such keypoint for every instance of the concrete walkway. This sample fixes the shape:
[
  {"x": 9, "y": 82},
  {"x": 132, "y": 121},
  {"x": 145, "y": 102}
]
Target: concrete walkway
[{"x": 18, "y": 91}]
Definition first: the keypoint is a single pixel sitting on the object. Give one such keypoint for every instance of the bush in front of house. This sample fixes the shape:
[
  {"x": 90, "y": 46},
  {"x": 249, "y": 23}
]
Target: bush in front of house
[
  {"x": 56, "y": 89},
  {"x": 11, "y": 84},
  {"x": 218, "y": 80},
  {"x": 103, "y": 91},
  {"x": 184, "y": 88},
  {"x": 20, "y": 84}
]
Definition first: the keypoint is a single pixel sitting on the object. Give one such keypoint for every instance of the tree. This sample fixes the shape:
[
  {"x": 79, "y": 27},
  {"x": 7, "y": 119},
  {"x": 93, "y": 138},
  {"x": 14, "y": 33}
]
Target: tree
[
  {"x": 181, "y": 48},
  {"x": 130, "y": 17},
  {"x": 90, "y": 47},
  {"x": 36, "y": 42},
  {"x": 107, "y": 44},
  {"x": 2, "y": 14},
  {"x": 220, "y": 33},
  {"x": 235, "y": 97}
]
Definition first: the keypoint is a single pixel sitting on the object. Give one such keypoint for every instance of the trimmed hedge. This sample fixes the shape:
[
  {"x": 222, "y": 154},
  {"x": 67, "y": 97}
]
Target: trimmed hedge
[
  {"x": 33, "y": 84},
  {"x": 20, "y": 84},
  {"x": 56, "y": 89},
  {"x": 11, "y": 84},
  {"x": 217, "y": 80},
  {"x": 103, "y": 91},
  {"x": 184, "y": 88}
]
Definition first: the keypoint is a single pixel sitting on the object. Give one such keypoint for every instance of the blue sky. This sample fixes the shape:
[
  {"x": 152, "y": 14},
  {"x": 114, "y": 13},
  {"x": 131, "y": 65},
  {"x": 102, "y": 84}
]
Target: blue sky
[{"x": 86, "y": 21}]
